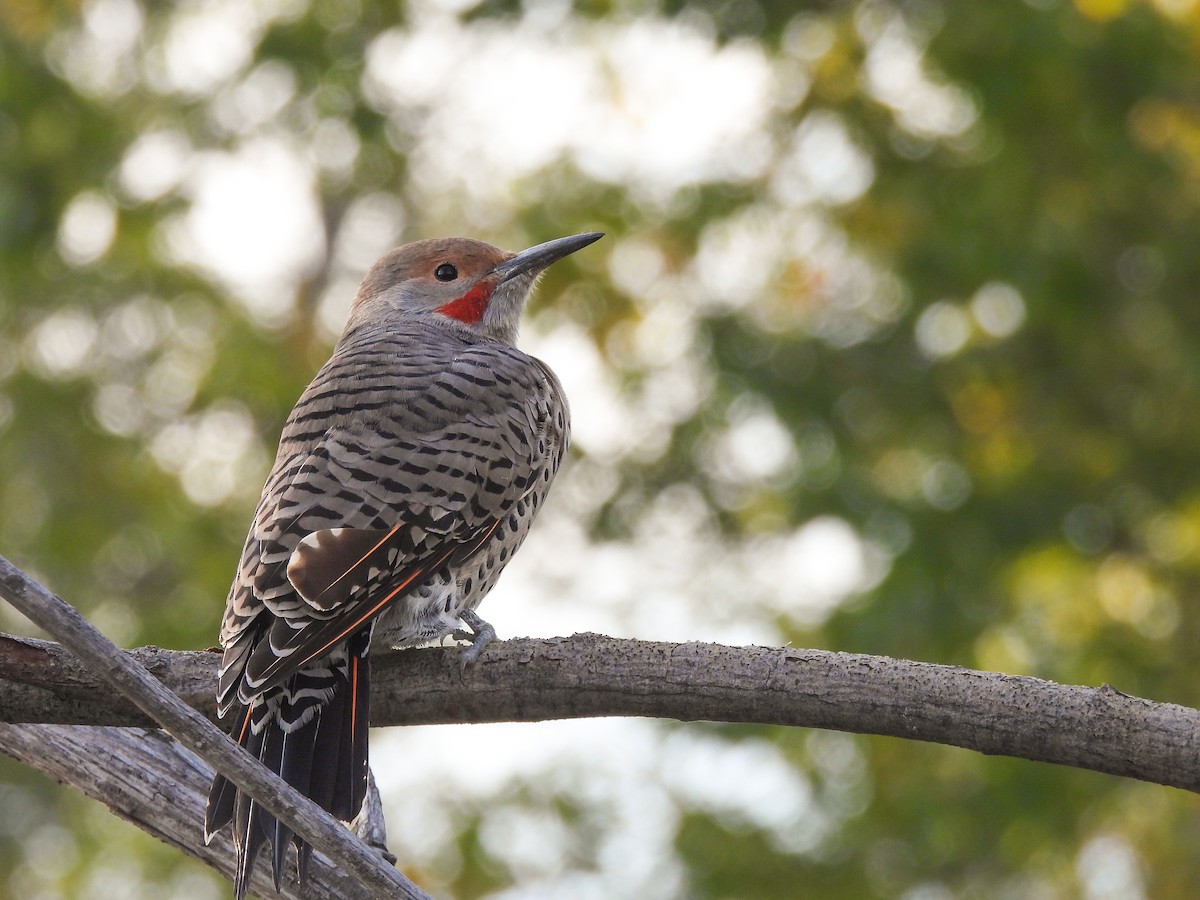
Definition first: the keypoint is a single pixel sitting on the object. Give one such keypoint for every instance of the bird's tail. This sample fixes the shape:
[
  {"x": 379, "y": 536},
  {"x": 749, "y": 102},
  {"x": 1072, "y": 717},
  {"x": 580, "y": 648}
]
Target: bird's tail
[{"x": 312, "y": 732}]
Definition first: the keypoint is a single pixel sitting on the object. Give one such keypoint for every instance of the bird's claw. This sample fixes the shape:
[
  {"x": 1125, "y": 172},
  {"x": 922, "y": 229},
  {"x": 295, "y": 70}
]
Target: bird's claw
[{"x": 480, "y": 635}]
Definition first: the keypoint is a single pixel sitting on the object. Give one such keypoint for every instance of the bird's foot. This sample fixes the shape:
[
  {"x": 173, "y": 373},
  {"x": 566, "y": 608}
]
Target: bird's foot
[{"x": 480, "y": 635}]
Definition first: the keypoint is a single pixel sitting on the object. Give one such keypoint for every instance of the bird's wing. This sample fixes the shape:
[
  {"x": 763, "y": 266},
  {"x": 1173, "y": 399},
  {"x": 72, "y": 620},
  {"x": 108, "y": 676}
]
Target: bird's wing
[{"x": 371, "y": 508}]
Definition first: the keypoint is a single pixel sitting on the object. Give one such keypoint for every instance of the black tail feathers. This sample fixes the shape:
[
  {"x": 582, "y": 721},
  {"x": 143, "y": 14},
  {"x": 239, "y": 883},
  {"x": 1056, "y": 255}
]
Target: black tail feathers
[{"x": 325, "y": 758}]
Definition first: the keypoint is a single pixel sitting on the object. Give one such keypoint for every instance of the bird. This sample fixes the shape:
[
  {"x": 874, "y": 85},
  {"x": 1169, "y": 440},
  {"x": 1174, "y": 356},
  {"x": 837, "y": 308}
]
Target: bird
[{"x": 407, "y": 475}]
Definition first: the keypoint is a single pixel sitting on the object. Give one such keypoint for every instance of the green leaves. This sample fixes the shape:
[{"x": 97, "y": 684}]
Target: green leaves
[{"x": 923, "y": 274}]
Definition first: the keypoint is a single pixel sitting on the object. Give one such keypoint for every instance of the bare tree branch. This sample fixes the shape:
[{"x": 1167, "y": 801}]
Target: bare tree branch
[
  {"x": 42, "y": 682},
  {"x": 154, "y": 782},
  {"x": 590, "y": 675},
  {"x": 120, "y": 671},
  {"x": 587, "y": 675}
]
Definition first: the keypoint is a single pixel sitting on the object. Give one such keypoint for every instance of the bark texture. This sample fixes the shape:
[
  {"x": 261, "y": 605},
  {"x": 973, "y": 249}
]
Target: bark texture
[
  {"x": 528, "y": 680},
  {"x": 149, "y": 779}
]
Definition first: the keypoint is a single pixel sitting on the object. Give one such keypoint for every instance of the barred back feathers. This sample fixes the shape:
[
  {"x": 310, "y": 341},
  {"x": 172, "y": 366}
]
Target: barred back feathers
[{"x": 408, "y": 474}]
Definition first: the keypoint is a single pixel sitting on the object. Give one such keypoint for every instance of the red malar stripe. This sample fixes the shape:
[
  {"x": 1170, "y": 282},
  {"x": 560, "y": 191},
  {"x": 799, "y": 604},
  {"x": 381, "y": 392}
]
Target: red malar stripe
[{"x": 471, "y": 306}]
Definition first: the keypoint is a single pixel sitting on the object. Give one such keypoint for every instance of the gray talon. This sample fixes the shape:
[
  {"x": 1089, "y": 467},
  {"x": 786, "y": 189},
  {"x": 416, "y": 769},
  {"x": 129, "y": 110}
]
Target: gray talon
[{"x": 480, "y": 635}]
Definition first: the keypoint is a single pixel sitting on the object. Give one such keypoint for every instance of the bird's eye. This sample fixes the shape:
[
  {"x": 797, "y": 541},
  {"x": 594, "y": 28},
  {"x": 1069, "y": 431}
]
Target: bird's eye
[{"x": 445, "y": 272}]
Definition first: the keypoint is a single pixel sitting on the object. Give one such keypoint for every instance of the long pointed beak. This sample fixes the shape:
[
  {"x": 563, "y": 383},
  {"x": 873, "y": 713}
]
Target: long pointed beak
[{"x": 540, "y": 256}]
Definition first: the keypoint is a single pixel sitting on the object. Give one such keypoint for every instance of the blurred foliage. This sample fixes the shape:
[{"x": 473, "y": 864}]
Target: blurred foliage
[{"x": 962, "y": 284}]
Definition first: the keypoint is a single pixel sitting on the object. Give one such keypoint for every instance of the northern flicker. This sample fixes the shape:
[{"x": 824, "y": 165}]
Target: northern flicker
[{"x": 408, "y": 474}]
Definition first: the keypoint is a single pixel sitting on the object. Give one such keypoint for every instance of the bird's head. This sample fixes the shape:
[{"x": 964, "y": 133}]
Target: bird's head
[{"x": 466, "y": 281}]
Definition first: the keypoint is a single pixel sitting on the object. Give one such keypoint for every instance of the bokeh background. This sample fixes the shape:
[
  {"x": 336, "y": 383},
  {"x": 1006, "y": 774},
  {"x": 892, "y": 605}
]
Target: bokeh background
[{"x": 893, "y": 347}]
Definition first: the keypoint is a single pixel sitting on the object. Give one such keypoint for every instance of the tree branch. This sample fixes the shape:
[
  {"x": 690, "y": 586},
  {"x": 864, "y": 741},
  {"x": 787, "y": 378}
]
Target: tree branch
[
  {"x": 590, "y": 675},
  {"x": 161, "y": 787},
  {"x": 42, "y": 682},
  {"x": 120, "y": 671},
  {"x": 154, "y": 782}
]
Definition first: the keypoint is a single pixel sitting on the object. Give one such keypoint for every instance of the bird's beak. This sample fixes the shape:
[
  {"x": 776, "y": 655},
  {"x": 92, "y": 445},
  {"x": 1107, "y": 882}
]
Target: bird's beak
[{"x": 540, "y": 256}]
